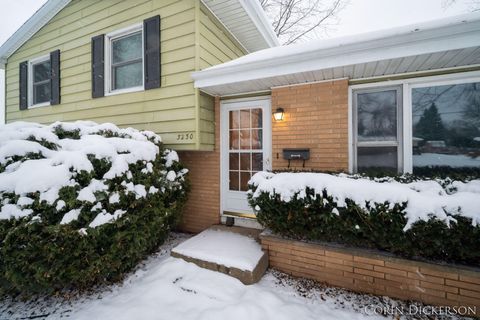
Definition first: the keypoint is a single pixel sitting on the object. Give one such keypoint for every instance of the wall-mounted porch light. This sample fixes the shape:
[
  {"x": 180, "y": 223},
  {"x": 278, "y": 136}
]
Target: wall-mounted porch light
[{"x": 278, "y": 114}]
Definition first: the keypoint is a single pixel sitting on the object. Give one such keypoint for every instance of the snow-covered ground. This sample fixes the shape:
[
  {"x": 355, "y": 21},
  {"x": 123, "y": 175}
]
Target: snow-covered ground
[{"x": 169, "y": 288}]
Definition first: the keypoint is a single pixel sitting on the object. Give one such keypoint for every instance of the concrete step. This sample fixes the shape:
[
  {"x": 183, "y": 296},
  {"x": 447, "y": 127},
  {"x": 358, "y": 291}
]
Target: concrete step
[{"x": 230, "y": 250}]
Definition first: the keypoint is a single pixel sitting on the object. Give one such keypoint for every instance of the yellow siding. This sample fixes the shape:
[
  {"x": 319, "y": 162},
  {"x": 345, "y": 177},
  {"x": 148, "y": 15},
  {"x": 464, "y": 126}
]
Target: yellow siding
[
  {"x": 216, "y": 46},
  {"x": 191, "y": 39}
]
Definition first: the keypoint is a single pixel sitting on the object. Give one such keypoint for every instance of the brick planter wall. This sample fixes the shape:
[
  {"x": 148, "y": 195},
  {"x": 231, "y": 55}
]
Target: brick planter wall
[{"x": 376, "y": 273}]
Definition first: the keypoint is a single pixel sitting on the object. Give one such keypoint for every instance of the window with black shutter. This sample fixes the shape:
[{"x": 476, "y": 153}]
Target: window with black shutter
[
  {"x": 40, "y": 81},
  {"x": 127, "y": 60}
]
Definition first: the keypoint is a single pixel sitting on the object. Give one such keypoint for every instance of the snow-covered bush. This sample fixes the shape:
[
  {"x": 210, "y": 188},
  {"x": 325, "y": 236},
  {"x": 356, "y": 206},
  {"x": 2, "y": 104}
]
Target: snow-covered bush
[
  {"x": 82, "y": 203},
  {"x": 432, "y": 219}
]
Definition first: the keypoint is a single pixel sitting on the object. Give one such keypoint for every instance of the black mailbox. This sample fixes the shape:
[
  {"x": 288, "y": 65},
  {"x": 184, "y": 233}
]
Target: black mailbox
[{"x": 296, "y": 154}]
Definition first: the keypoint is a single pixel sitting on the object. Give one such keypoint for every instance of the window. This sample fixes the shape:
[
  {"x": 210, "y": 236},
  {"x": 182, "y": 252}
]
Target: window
[
  {"x": 438, "y": 124},
  {"x": 377, "y": 129},
  {"x": 245, "y": 146},
  {"x": 39, "y": 81},
  {"x": 124, "y": 60},
  {"x": 446, "y": 125}
]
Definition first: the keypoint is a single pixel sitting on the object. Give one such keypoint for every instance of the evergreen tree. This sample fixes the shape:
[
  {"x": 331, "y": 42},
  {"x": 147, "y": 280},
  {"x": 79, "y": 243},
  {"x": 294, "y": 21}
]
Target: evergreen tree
[{"x": 430, "y": 125}]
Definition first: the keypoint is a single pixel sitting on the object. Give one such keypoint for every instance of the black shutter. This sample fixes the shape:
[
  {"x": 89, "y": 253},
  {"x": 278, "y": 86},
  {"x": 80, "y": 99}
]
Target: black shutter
[
  {"x": 98, "y": 69},
  {"x": 151, "y": 43},
  {"x": 23, "y": 85},
  {"x": 55, "y": 77}
]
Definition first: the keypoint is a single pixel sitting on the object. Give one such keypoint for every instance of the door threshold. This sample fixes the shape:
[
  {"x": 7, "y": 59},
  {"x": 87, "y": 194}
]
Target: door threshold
[
  {"x": 240, "y": 220},
  {"x": 239, "y": 215}
]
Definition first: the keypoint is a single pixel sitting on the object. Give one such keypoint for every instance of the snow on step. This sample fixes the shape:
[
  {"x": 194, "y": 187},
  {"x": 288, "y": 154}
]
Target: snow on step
[
  {"x": 222, "y": 247},
  {"x": 228, "y": 252}
]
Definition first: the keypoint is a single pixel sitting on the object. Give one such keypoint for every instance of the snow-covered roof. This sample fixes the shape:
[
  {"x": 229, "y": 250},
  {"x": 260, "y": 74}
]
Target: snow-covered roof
[
  {"x": 444, "y": 43},
  {"x": 254, "y": 32}
]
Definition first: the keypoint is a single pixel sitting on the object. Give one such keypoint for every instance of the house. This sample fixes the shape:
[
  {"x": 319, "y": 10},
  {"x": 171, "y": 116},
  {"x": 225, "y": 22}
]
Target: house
[
  {"x": 130, "y": 63},
  {"x": 208, "y": 76}
]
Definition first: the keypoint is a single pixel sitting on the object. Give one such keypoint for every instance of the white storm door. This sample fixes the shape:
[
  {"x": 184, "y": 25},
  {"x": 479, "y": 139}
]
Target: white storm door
[{"x": 246, "y": 130}]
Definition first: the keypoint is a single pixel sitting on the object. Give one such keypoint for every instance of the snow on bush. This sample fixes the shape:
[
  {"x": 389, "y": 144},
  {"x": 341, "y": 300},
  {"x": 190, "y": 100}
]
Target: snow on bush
[
  {"x": 413, "y": 217},
  {"x": 424, "y": 199},
  {"x": 35, "y": 162},
  {"x": 80, "y": 182}
]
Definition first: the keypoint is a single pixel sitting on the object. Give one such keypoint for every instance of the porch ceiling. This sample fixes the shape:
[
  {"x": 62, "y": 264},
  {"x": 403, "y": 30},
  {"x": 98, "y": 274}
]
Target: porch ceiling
[{"x": 441, "y": 45}]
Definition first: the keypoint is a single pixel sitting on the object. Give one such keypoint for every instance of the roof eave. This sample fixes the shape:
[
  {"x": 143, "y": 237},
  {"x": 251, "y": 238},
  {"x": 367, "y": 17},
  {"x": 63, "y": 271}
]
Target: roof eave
[
  {"x": 52, "y": 7},
  {"x": 425, "y": 41},
  {"x": 259, "y": 18},
  {"x": 31, "y": 26}
]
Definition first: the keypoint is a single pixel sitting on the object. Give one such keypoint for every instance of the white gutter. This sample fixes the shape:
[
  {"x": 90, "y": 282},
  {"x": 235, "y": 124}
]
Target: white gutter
[{"x": 446, "y": 34}]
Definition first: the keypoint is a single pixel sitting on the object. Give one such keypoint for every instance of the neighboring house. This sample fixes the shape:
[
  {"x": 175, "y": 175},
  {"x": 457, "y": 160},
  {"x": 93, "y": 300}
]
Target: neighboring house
[{"x": 349, "y": 104}]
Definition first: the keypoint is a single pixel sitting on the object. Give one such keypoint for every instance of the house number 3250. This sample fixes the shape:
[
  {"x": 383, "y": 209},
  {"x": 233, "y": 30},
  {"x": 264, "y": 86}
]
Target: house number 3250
[{"x": 185, "y": 136}]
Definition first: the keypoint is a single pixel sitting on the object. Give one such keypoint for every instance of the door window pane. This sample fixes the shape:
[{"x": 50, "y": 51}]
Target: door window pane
[
  {"x": 257, "y": 161},
  {"x": 446, "y": 125},
  {"x": 245, "y": 161},
  {"x": 245, "y": 139},
  {"x": 257, "y": 121},
  {"x": 234, "y": 139},
  {"x": 244, "y": 178},
  {"x": 377, "y": 158},
  {"x": 234, "y": 181},
  {"x": 234, "y": 161},
  {"x": 234, "y": 119},
  {"x": 245, "y": 118},
  {"x": 257, "y": 139},
  {"x": 377, "y": 116}
]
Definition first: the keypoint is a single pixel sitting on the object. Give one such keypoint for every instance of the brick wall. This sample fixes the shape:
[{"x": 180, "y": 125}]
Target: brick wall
[
  {"x": 363, "y": 271},
  {"x": 316, "y": 117},
  {"x": 203, "y": 206}
]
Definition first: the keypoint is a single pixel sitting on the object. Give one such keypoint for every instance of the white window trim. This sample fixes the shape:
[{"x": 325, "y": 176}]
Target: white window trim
[
  {"x": 31, "y": 62},
  {"x": 407, "y": 86},
  {"x": 398, "y": 143},
  {"x": 108, "y": 57}
]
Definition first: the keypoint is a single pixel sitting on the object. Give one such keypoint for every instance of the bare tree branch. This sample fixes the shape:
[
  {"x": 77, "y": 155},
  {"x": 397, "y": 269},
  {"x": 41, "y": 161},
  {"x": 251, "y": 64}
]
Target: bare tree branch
[
  {"x": 297, "y": 20},
  {"x": 473, "y": 5}
]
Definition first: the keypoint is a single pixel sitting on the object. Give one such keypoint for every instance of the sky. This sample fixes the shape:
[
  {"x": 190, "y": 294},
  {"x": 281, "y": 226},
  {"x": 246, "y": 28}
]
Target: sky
[
  {"x": 358, "y": 17},
  {"x": 371, "y": 15}
]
